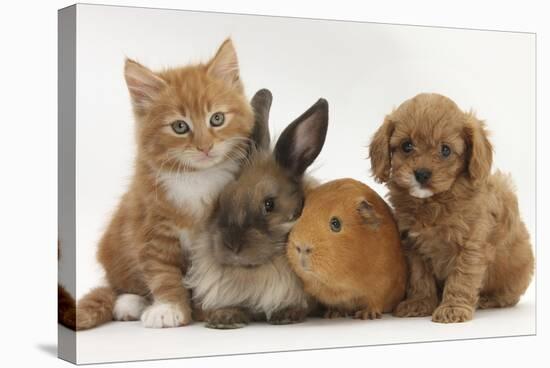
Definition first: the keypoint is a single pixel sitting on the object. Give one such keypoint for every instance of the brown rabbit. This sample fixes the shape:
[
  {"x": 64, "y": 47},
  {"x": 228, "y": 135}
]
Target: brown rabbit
[
  {"x": 239, "y": 271},
  {"x": 346, "y": 249}
]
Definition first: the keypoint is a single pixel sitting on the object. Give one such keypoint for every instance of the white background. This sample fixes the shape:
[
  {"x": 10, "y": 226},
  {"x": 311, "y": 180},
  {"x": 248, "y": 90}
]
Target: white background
[
  {"x": 363, "y": 70},
  {"x": 29, "y": 180}
]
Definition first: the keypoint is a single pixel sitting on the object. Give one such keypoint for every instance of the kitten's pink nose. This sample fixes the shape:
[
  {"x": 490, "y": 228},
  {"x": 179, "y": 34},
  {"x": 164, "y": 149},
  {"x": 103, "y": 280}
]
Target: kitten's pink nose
[{"x": 205, "y": 149}]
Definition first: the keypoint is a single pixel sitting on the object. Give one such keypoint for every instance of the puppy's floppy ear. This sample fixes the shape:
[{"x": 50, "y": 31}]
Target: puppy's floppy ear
[
  {"x": 367, "y": 212},
  {"x": 479, "y": 153},
  {"x": 379, "y": 151}
]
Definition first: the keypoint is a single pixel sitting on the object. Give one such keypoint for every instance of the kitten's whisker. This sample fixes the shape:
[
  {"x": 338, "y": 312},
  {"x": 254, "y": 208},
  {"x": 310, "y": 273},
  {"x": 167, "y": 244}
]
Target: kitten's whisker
[
  {"x": 236, "y": 156},
  {"x": 241, "y": 139},
  {"x": 157, "y": 176},
  {"x": 238, "y": 153}
]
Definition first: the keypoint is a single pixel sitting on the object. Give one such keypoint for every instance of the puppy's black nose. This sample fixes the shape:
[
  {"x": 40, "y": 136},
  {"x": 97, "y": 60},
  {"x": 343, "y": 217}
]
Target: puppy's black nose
[{"x": 422, "y": 175}]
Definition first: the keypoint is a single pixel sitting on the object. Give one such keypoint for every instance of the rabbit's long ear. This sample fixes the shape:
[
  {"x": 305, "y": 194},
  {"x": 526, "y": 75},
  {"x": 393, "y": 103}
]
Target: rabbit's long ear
[
  {"x": 261, "y": 103},
  {"x": 302, "y": 141}
]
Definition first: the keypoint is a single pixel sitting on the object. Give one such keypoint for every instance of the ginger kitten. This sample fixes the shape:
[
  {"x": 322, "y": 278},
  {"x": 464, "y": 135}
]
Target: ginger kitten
[{"x": 192, "y": 127}]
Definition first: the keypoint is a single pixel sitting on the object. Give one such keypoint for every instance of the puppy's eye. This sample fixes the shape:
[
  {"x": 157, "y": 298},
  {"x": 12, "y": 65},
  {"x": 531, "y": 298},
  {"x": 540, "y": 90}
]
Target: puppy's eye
[
  {"x": 407, "y": 146},
  {"x": 335, "y": 224},
  {"x": 180, "y": 127},
  {"x": 269, "y": 205},
  {"x": 445, "y": 150},
  {"x": 217, "y": 119}
]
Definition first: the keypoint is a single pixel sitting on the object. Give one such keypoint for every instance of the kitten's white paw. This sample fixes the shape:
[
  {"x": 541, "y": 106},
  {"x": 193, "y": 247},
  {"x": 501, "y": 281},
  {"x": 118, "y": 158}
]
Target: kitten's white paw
[
  {"x": 165, "y": 315},
  {"x": 129, "y": 307}
]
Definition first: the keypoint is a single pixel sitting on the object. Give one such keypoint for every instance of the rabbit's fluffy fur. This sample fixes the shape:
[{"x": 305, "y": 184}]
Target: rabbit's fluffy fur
[
  {"x": 466, "y": 244},
  {"x": 239, "y": 270},
  {"x": 262, "y": 289}
]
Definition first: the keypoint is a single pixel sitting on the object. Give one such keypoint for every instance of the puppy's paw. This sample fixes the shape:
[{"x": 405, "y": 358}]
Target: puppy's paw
[
  {"x": 163, "y": 315},
  {"x": 415, "y": 308},
  {"x": 288, "y": 315},
  {"x": 129, "y": 307},
  {"x": 225, "y": 319},
  {"x": 368, "y": 313},
  {"x": 332, "y": 313},
  {"x": 452, "y": 314},
  {"x": 493, "y": 301}
]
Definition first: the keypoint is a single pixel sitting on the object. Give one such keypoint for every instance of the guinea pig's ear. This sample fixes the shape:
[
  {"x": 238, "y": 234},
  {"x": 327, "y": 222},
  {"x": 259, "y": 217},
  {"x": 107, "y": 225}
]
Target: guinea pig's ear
[
  {"x": 379, "y": 151},
  {"x": 366, "y": 210},
  {"x": 261, "y": 104},
  {"x": 302, "y": 141},
  {"x": 479, "y": 151}
]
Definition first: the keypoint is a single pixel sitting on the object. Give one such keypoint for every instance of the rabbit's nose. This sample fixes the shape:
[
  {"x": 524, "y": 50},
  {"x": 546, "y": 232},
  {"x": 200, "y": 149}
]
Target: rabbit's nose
[{"x": 235, "y": 247}]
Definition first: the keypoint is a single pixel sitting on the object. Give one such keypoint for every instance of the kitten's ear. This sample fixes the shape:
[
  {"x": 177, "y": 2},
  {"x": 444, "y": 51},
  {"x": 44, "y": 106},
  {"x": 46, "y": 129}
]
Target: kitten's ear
[
  {"x": 143, "y": 84},
  {"x": 225, "y": 66},
  {"x": 261, "y": 103},
  {"x": 302, "y": 141}
]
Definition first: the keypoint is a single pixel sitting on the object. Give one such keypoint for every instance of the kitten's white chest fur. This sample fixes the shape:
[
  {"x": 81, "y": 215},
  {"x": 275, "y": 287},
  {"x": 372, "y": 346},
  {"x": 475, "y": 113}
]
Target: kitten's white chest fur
[{"x": 196, "y": 191}]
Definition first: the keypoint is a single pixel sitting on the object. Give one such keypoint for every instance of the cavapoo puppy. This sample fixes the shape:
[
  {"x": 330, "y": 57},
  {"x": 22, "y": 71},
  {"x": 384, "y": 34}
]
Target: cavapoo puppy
[{"x": 465, "y": 242}]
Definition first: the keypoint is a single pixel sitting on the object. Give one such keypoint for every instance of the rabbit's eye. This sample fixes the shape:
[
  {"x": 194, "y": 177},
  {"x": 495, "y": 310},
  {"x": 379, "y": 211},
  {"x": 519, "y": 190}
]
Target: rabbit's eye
[
  {"x": 335, "y": 224},
  {"x": 269, "y": 205}
]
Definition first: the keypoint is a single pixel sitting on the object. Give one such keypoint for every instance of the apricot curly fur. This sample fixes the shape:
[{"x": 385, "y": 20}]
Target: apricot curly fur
[{"x": 466, "y": 244}]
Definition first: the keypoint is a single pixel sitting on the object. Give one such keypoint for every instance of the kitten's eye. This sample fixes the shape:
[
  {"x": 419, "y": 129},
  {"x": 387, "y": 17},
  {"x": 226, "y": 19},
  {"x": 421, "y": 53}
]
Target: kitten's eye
[
  {"x": 335, "y": 224},
  {"x": 269, "y": 205},
  {"x": 180, "y": 127},
  {"x": 407, "y": 146},
  {"x": 217, "y": 119},
  {"x": 445, "y": 150}
]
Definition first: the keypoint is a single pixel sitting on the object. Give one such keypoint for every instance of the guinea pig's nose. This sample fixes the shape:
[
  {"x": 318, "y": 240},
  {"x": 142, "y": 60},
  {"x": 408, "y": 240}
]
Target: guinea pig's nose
[
  {"x": 422, "y": 175},
  {"x": 305, "y": 249}
]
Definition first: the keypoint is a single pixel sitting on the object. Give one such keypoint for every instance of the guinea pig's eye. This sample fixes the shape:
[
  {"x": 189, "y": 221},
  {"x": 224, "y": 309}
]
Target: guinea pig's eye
[
  {"x": 335, "y": 224},
  {"x": 217, "y": 119},
  {"x": 407, "y": 146},
  {"x": 180, "y": 127},
  {"x": 269, "y": 204},
  {"x": 445, "y": 150}
]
